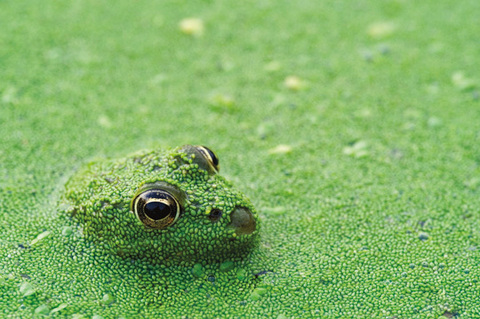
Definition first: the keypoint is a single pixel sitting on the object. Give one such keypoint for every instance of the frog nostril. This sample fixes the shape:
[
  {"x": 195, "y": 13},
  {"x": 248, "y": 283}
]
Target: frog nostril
[
  {"x": 215, "y": 215},
  {"x": 242, "y": 221}
]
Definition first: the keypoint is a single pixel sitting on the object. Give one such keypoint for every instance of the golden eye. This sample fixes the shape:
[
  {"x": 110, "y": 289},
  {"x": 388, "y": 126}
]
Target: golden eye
[
  {"x": 156, "y": 207},
  {"x": 210, "y": 156},
  {"x": 204, "y": 157}
]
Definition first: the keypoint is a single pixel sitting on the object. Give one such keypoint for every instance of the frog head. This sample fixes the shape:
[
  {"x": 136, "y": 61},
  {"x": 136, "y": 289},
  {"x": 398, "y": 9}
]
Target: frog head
[{"x": 165, "y": 207}]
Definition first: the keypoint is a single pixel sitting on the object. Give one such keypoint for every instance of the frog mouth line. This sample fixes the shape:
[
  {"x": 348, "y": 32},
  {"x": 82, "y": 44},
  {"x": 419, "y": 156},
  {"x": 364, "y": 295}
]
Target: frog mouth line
[{"x": 242, "y": 221}]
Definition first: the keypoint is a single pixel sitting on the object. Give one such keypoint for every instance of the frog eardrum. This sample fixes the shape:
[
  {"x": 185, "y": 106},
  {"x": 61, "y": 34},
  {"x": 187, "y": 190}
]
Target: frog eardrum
[{"x": 158, "y": 205}]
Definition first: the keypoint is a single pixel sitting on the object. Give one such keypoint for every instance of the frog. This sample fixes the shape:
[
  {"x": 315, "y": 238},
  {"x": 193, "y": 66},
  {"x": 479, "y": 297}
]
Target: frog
[
  {"x": 162, "y": 206},
  {"x": 144, "y": 235}
]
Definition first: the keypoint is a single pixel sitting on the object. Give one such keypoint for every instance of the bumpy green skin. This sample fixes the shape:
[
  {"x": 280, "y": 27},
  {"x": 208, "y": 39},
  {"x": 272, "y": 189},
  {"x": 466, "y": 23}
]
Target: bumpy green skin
[{"x": 99, "y": 198}]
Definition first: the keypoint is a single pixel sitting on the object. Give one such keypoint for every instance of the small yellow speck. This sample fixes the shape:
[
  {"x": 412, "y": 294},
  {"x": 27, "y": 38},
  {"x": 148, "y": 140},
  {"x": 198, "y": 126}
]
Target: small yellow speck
[
  {"x": 104, "y": 121},
  {"x": 358, "y": 149},
  {"x": 277, "y": 210},
  {"x": 363, "y": 113},
  {"x": 192, "y": 26},
  {"x": 280, "y": 149},
  {"x": 294, "y": 83},
  {"x": 273, "y": 66},
  {"x": 462, "y": 82},
  {"x": 220, "y": 99},
  {"x": 380, "y": 30},
  {"x": 9, "y": 95},
  {"x": 158, "y": 79},
  {"x": 208, "y": 210}
]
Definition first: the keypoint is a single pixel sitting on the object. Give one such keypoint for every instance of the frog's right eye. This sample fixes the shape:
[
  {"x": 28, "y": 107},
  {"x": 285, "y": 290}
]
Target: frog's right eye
[{"x": 157, "y": 207}]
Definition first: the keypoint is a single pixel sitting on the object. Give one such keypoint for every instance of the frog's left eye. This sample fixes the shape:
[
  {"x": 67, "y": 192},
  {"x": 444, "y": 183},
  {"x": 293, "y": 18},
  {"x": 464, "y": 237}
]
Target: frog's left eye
[
  {"x": 156, "y": 207},
  {"x": 210, "y": 156},
  {"x": 204, "y": 157}
]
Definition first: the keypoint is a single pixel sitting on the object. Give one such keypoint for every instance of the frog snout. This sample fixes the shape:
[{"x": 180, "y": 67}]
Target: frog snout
[{"x": 242, "y": 221}]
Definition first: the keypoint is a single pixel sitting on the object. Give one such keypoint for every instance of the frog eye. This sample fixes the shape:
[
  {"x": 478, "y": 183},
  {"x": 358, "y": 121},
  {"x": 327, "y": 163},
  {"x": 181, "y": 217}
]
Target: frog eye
[
  {"x": 210, "y": 156},
  {"x": 204, "y": 157},
  {"x": 156, "y": 208}
]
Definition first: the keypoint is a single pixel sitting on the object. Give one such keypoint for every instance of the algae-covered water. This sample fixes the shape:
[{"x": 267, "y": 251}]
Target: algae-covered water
[{"x": 353, "y": 127}]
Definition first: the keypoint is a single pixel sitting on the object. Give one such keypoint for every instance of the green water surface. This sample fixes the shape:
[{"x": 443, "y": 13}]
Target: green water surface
[{"x": 353, "y": 126}]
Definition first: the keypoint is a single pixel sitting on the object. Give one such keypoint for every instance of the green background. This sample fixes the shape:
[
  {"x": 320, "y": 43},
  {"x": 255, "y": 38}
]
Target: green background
[{"x": 366, "y": 175}]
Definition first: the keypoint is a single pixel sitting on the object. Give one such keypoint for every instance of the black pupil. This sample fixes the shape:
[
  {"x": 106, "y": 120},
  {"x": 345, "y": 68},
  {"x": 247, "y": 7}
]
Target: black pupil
[{"x": 157, "y": 210}]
